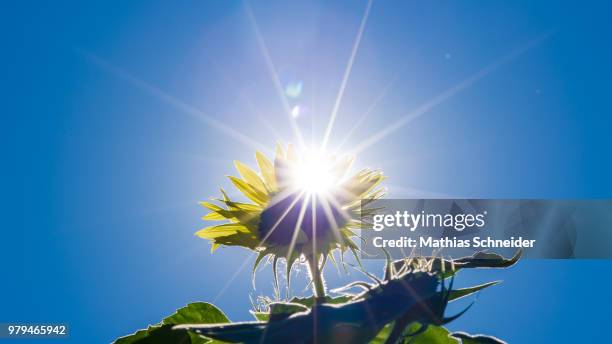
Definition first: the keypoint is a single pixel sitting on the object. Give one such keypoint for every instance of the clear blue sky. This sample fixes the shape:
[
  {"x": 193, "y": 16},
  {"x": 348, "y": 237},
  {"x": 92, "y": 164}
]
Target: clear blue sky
[{"x": 111, "y": 136}]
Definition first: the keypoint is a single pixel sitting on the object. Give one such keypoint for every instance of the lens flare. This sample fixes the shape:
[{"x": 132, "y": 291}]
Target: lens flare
[
  {"x": 294, "y": 89},
  {"x": 295, "y": 111}
]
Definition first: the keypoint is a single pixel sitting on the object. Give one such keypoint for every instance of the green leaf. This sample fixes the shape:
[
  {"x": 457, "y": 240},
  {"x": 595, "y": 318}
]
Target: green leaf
[
  {"x": 381, "y": 337},
  {"x": 488, "y": 260},
  {"x": 459, "y": 293},
  {"x": 193, "y": 313},
  {"x": 433, "y": 335},
  {"x": 159, "y": 335},
  {"x": 197, "y": 313},
  {"x": 281, "y": 310},
  {"x": 448, "y": 268},
  {"x": 476, "y": 339},
  {"x": 309, "y": 301},
  {"x": 261, "y": 316}
]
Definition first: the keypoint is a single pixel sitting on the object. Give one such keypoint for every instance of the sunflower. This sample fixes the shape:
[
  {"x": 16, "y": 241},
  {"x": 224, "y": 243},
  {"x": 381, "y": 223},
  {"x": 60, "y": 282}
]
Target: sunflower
[{"x": 302, "y": 205}]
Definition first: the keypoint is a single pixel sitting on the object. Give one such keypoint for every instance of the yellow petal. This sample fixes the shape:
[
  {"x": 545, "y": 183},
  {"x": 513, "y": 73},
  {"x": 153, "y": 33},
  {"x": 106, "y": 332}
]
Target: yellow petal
[
  {"x": 211, "y": 206},
  {"x": 281, "y": 168},
  {"x": 280, "y": 152},
  {"x": 291, "y": 155},
  {"x": 221, "y": 230},
  {"x": 250, "y": 176},
  {"x": 267, "y": 171},
  {"x": 360, "y": 185},
  {"x": 214, "y": 216},
  {"x": 249, "y": 191},
  {"x": 247, "y": 240},
  {"x": 252, "y": 208},
  {"x": 343, "y": 166}
]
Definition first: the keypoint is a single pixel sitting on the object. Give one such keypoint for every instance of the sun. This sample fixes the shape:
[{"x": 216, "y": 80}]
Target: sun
[{"x": 315, "y": 174}]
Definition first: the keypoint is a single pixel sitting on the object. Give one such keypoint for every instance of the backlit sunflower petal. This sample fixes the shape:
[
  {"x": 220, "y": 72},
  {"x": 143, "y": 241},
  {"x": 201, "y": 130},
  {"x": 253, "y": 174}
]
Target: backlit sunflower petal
[
  {"x": 250, "y": 176},
  {"x": 225, "y": 196},
  {"x": 361, "y": 203},
  {"x": 214, "y": 216},
  {"x": 242, "y": 206},
  {"x": 258, "y": 260},
  {"x": 210, "y": 206},
  {"x": 213, "y": 232},
  {"x": 232, "y": 205},
  {"x": 343, "y": 166},
  {"x": 248, "y": 219},
  {"x": 267, "y": 171},
  {"x": 291, "y": 155},
  {"x": 230, "y": 234},
  {"x": 360, "y": 185},
  {"x": 249, "y": 191},
  {"x": 280, "y": 152},
  {"x": 242, "y": 239},
  {"x": 275, "y": 273},
  {"x": 281, "y": 172},
  {"x": 370, "y": 184}
]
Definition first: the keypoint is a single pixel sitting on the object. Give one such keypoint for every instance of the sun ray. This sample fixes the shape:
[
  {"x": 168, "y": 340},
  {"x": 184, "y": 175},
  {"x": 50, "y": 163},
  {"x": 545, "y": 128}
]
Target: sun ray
[
  {"x": 414, "y": 294},
  {"x": 447, "y": 94},
  {"x": 409, "y": 191},
  {"x": 330, "y": 217},
  {"x": 347, "y": 73},
  {"x": 282, "y": 217},
  {"x": 370, "y": 109},
  {"x": 263, "y": 119},
  {"x": 298, "y": 225},
  {"x": 234, "y": 276},
  {"x": 172, "y": 100},
  {"x": 274, "y": 75},
  {"x": 246, "y": 99},
  {"x": 314, "y": 242},
  {"x": 254, "y": 253}
]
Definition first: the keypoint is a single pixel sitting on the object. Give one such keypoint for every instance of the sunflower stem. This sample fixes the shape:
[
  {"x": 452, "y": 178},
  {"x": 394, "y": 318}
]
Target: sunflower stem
[{"x": 317, "y": 277}]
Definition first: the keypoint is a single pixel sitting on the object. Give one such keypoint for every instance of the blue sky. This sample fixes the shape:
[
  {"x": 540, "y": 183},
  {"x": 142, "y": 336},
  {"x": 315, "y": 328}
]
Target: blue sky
[{"x": 112, "y": 135}]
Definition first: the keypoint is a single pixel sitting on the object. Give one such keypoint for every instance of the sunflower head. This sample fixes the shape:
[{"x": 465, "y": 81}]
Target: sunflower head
[{"x": 301, "y": 205}]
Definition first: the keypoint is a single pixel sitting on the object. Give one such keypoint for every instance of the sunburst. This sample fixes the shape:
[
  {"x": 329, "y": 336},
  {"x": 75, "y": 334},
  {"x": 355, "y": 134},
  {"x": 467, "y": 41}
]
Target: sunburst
[{"x": 303, "y": 205}]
